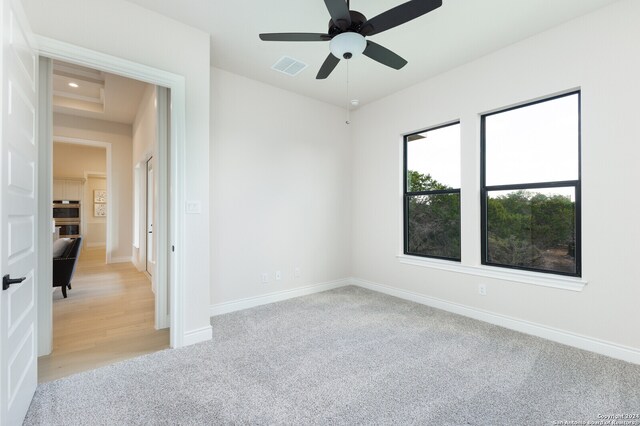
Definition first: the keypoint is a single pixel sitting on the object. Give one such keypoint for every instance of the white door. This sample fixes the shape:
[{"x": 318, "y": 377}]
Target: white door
[
  {"x": 18, "y": 218},
  {"x": 151, "y": 261}
]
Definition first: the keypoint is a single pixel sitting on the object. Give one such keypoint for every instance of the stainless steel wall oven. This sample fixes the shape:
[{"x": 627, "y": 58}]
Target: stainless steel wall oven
[{"x": 66, "y": 214}]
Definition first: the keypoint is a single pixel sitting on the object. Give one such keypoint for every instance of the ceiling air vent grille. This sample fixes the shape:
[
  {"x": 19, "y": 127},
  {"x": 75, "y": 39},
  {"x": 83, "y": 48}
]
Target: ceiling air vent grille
[{"x": 289, "y": 66}]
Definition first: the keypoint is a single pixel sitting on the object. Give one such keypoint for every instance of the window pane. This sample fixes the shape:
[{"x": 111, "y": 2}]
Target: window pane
[
  {"x": 434, "y": 225},
  {"x": 535, "y": 143},
  {"x": 434, "y": 155},
  {"x": 532, "y": 229}
]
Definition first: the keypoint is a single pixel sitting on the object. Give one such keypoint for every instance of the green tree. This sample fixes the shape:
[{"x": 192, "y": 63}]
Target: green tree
[
  {"x": 417, "y": 182},
  {"x": 433, "y": 220},
  {"x": 523, "y": 225}
]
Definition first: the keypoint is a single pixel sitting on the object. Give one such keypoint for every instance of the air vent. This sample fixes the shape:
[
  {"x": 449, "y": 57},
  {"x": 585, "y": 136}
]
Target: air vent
[{"x": 289, "y": 66}]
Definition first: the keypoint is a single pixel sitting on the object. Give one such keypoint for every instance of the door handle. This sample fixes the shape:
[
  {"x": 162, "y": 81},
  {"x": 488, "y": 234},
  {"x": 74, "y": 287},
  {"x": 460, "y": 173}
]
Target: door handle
[{"x": 7, "y": 281}]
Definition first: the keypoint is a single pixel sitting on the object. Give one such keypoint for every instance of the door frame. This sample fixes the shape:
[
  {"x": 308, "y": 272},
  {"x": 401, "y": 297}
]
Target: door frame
[
  {"x": 171, "y": 166},
  {"x": 146, "y": 218}
]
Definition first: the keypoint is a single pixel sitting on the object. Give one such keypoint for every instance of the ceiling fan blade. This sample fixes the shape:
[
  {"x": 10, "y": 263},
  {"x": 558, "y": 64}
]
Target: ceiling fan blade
[
  {"x": 328, "y": 66},
  {"x": 398, "y": 16},
  {"x": 384, "y": 55},
  {"x": 295, "y": 37},
  {"x": 339, "y": 11}
]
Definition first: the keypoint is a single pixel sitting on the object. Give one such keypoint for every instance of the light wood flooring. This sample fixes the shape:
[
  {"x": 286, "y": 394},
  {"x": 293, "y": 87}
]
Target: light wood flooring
[{"x": 107, "y": 317}]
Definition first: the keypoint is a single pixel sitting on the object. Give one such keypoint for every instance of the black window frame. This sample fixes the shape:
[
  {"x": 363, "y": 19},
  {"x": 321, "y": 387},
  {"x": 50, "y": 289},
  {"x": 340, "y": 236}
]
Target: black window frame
[
  {"x": 407, "y": 195},
  {"x": 577, "y": 184}
]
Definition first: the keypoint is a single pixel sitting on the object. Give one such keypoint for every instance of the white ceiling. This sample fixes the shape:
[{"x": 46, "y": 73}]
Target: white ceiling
[
  {"x": 458, "y": 32},
  {"x": 100, "y": 95}
]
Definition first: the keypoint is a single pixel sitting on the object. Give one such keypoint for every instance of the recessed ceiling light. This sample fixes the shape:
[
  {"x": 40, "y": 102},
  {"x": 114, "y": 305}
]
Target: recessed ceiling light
[{"x": 74, "y": 85}]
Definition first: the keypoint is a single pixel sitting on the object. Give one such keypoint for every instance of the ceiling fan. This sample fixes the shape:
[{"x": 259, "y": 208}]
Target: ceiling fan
[{"x": 348, "y": 29}]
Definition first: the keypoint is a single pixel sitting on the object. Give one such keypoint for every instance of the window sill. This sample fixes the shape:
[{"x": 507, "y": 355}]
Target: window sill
[{"x": 526, "y": 277}]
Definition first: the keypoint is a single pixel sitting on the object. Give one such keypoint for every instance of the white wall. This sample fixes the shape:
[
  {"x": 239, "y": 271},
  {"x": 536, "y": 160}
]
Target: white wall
[
  {"x": 281, "y": 185},
  {"x": 131, "y": 32},
  {"x": 144, "y": 126},
  {"x": 119, "y": 136},
  {"x": 71, "y": 160},
  {"x": 144, "y": 138},
  {"x": 598, "y": 53}
]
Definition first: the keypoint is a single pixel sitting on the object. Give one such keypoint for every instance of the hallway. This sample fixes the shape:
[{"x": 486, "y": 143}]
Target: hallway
[{"x": 107, "y": 317}]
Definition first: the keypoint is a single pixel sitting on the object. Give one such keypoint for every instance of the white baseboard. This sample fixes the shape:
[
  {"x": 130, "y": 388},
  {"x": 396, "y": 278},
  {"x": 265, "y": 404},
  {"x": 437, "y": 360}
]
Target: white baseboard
[
  {"x": 125, "y": 259},
  {"x": 278, "y": 296},
  {"x": 96, "y": 245},
  {"x": 602, "y": 347},
  {"x": 196, "y": 336}
]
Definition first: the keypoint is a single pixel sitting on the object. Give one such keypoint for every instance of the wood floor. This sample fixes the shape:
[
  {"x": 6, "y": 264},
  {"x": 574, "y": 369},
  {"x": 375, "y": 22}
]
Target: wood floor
[{"x": 107, "y": 317}]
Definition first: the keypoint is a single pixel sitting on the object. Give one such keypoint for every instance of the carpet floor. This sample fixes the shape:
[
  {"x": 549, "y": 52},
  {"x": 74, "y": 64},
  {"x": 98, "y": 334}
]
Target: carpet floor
[{"x": 348, "y": 356}]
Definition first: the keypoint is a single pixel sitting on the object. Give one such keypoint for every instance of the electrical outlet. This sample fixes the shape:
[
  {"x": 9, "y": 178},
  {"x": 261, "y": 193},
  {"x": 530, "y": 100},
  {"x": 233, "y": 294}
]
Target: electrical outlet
[
  {"x": 482, "y": 289},
  {"x": 265, "y": 278},
  {"x": 278, "y": 275},
  {"x": 297, "y": 273}
]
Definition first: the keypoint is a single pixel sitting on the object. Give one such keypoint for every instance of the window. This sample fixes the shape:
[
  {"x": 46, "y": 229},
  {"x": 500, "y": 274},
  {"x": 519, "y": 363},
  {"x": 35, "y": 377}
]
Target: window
[
  {"x": 531, "y": 186},
  {"x": 432, "y": 193}
]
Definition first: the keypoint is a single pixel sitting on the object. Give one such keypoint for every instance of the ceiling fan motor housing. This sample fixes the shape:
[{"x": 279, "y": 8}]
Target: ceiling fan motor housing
[{"x": 357, "y": 20}]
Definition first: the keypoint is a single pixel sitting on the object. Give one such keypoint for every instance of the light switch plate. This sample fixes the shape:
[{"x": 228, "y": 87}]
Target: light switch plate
[{"x": 193, "y": 207}]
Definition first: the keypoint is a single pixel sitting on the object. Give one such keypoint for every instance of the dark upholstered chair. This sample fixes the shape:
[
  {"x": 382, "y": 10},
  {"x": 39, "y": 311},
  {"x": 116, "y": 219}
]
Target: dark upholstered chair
[{"x": 65, "y": 265}]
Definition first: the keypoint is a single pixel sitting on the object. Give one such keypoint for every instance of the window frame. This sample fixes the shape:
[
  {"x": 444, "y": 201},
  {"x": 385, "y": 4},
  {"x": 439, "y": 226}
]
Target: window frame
[
  {"x": 406, "y": 195},
  {"x": 576, "y": 184}
]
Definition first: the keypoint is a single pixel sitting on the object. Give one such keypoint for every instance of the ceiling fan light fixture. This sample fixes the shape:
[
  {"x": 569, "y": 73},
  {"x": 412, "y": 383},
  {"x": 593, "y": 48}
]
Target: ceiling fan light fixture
[{"x": 347, "y": 45}]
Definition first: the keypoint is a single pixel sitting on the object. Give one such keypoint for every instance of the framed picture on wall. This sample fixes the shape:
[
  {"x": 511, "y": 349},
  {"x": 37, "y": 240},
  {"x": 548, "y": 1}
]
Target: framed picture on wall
[
  {"x": 100, "y": 210},
  {"x": 99, "y": 195}
]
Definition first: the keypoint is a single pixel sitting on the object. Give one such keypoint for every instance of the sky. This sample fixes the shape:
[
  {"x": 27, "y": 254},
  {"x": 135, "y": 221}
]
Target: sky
[
  {"x": 538, "y": 143},
  {"x": 437, "y": 155}
]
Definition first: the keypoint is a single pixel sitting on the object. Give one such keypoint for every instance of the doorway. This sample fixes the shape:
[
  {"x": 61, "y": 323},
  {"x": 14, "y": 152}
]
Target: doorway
[
  {"x": 170, "y": 217},
  {"x": 118, "y": 335}
]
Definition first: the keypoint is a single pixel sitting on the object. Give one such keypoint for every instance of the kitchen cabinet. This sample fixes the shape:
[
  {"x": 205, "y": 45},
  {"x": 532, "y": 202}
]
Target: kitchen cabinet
[{"x": 68, "y": 189}]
